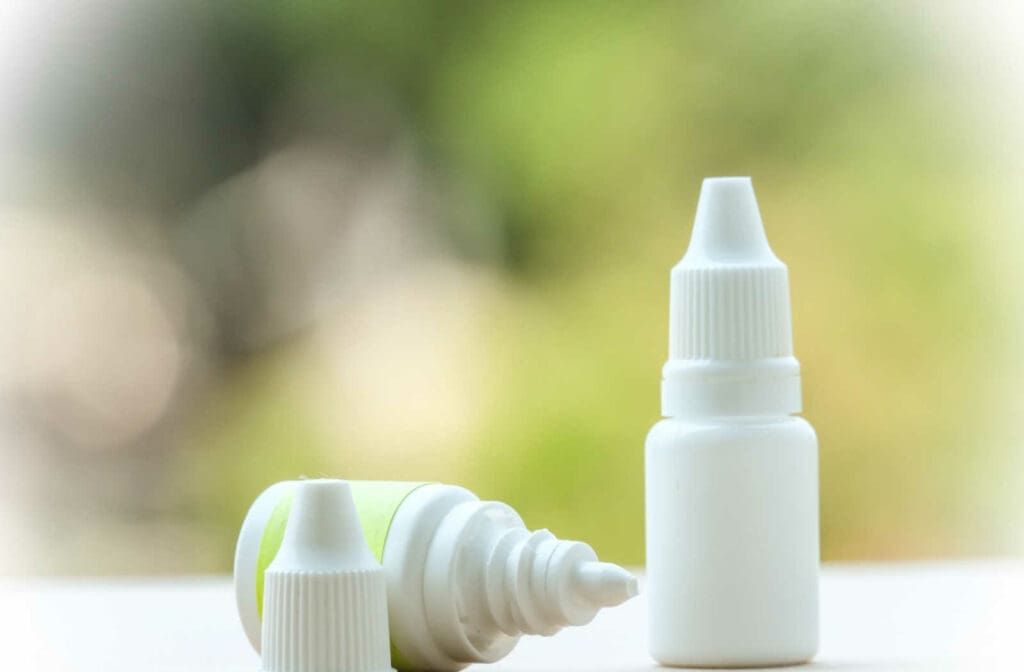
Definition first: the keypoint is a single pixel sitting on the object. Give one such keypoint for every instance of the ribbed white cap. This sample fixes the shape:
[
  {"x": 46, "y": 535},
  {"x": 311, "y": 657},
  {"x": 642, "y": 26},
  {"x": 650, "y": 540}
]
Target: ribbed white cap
[
  {"x": 730, "y": 333},
  {"x": 325, "y": 599}
]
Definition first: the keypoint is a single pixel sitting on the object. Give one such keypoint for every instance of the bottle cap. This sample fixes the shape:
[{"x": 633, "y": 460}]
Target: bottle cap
[
  {"x": 730, "y": 333},
  {"x": 325, "y": 599}
]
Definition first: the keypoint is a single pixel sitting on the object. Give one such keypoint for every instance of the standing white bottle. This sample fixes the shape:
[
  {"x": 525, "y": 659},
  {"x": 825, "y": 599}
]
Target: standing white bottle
[{"x": 732, "y": 474}]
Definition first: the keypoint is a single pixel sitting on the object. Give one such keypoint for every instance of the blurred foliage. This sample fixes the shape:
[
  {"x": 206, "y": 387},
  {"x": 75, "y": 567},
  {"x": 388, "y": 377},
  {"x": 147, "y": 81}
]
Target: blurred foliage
[{"x": 558, "y": 150}]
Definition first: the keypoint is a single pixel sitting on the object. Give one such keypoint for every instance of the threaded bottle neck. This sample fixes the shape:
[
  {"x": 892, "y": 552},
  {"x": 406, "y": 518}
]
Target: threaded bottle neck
[{"x": 531, "y": 583}]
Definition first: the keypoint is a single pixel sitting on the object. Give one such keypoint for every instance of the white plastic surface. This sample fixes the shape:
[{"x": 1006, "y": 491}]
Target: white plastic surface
[
  {"x": 325, "y": 602},
  {"x": 732, "y": 489},
  {"x": 952, "y": 616}
]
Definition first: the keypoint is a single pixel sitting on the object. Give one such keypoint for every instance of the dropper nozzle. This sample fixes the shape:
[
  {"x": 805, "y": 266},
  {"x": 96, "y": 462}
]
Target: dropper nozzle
[
  {"x": 542, "y": 584},
  {"x": 728, "y": 226},
  {"x": 603, "y": 584}
]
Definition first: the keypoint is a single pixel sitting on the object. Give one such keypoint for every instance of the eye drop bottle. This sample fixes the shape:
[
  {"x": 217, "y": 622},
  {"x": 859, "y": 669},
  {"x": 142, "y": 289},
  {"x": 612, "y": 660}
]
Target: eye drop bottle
[
  {"x": 731, "y": 471},
  {"x": 465, "y": 578}
]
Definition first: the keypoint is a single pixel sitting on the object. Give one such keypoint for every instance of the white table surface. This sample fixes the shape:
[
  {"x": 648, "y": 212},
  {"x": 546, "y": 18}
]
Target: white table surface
[{"x": 944, "y": 616}]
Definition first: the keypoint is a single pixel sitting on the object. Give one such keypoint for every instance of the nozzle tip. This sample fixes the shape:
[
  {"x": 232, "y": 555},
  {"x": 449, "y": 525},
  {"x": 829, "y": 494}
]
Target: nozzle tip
[
  {"x": 606, "y": 585},
  {"x": 728, "y": 227},
  {"x": 632, "y": 588}
]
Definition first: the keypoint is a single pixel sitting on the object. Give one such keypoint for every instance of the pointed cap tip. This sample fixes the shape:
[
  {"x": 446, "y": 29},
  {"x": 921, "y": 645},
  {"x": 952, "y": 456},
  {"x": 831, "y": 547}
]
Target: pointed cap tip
[
  {"x": 323, "y": 530},
  {"x": 728, "y": 182},
  {"x": 728, "y": 227}
]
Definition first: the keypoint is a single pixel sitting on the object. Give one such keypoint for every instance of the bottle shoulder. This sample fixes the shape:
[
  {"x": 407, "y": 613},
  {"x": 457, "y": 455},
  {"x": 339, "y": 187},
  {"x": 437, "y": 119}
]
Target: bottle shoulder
[{"x": 787, "y": 429}]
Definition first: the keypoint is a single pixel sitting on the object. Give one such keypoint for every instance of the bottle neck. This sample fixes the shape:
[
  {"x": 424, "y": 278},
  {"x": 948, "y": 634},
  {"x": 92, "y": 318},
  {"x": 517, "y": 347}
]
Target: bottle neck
[
  {"x": 710, "y": 388},
  {"x": 457, "y": 588}
]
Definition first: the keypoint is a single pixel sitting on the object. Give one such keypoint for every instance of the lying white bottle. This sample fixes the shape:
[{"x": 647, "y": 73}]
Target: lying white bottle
[
  {"x": 465, "y": 578},
  {"x": 731, "y": 473}
]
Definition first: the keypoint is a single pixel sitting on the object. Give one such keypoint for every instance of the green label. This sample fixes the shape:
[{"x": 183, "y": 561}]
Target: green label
[
  {"x": 376, "y": 503},
  {"x": 270, "y": 543}
]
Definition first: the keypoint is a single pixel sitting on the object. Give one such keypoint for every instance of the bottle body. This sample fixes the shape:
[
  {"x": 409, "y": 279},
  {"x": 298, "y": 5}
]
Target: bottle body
[{"x": 732, "y": 541}]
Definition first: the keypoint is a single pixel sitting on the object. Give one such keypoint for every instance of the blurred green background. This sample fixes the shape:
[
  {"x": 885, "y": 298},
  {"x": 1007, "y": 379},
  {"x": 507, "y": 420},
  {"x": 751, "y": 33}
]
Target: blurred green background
[{"x": 242, "y": 242}]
